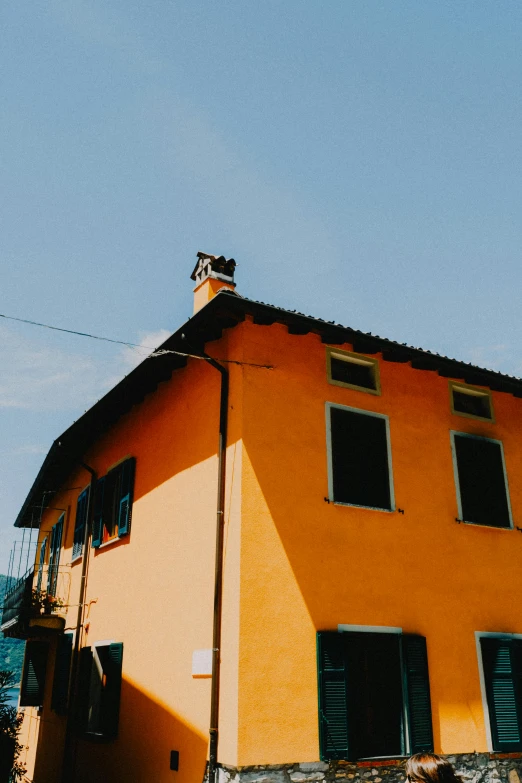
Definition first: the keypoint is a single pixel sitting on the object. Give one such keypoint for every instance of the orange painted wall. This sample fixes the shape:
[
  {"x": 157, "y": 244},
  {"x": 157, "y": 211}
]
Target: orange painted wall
[
  {"x": 293, "y": 563},
  {"x": 307, "y": 565},
  {"x": 153, "y": 590}
]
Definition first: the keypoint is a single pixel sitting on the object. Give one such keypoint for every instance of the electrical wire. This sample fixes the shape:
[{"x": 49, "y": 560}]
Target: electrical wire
[{"x": 155, "y": 352}]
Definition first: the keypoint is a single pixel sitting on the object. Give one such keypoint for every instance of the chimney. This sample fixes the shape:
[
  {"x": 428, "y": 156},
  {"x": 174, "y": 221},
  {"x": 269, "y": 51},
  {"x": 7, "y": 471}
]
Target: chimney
[{"x": 211, "y": 273}]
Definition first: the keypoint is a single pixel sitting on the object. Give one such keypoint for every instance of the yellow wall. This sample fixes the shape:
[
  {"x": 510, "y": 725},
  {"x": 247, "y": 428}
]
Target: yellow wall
[
  {"x": 153, "y": 590},
  {"x": 308, "y": 565}
]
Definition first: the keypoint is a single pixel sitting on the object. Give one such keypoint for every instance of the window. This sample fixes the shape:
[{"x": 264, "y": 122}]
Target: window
[
  {"x": 100, "y": 689},
  {"x": 374, "y": 696},
  {"x": 113, "y": 503},
  {"x": 359, "y": 458},
  {"x": 480, "y": 478},
  {"x": 82, "y": 508},
  {"x": 502, "y": 669},
  {"x": 471, "y": 401},
  {"x": 353, "y": 370},
  {"x": 54, "y": 556},
  {"x": 33, "y": 674}
]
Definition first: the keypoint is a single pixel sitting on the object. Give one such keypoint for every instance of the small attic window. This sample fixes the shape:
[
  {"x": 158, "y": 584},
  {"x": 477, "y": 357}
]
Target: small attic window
[
  {"x": 471, "y": 401},
  {"x": 353, "y": 370}
]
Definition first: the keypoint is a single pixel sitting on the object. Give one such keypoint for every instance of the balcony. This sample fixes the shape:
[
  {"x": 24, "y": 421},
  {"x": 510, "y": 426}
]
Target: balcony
[{"x": 36, "y": 604}]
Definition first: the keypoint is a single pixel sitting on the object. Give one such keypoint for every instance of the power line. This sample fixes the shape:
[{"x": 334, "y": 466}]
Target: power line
[
  {"x": 71, "y": 331},
  {"x": 155, "y": 353}
]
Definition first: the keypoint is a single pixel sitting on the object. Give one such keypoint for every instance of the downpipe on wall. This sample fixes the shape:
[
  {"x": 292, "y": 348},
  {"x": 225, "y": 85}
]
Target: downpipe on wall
[
  {"x": 70, "y": 743},
  {"x": 218, "y": 572}
]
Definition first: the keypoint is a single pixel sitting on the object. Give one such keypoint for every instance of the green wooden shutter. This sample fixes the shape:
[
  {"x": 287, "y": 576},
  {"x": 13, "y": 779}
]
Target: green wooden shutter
[
  {"x": 54, "y": 556},
  {"x": 97, "y": 527},
  {"x": 81, "y": 710},
  {"x": 80, "y": 522},
  {"x": 62, "y": 670},
  {"x": 112, "y": 692},
  {"x": 126, "y": 487},
  {"x": 417, "y": 692},
  {"x": 502, "y": 671},
  {"x": 333, "y": 708},
  {"x": 33, "y": 675}
]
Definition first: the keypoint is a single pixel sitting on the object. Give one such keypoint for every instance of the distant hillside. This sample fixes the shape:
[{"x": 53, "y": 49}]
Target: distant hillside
[{"x": 11, "y": 650}]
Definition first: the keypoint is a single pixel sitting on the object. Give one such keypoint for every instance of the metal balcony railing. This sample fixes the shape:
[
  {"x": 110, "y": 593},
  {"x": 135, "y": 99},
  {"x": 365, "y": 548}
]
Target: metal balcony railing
[
  {"x": 17, "y": 600},
  {"x": 34, "y": 599}
]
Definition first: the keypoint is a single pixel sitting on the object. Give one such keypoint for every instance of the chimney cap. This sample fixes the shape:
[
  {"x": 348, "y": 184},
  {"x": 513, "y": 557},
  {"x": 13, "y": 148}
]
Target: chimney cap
[{"x": 217, "y": 267}]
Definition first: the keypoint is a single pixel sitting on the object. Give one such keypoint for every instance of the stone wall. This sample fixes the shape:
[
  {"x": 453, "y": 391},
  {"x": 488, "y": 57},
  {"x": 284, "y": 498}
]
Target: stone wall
[{"x": 472, "y": 767}]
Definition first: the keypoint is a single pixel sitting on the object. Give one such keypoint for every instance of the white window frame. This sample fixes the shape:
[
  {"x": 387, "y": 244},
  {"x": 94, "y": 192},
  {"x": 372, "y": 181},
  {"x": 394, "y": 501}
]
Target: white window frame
[
  {"x": 482, "y": 679},
  {"x": 457, "y": 483},
  {"x": 329, "y": 406}
]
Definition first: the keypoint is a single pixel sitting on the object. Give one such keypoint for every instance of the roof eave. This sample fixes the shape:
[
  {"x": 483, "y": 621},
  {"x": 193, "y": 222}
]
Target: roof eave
[{"x": 224, "y": 311}]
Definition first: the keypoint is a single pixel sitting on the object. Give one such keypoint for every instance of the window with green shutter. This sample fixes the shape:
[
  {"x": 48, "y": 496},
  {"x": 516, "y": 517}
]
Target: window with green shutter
[
  {"x": 113, "y": 503},
  {"x": 54, "y": 556},
  {"x": 98, "y": 704},
  {"x": 374, "y": 697},
  {"x": 502, "y": 666},
  {"x": 33, "y": 674},
  {"x": 82, "y": 507}
]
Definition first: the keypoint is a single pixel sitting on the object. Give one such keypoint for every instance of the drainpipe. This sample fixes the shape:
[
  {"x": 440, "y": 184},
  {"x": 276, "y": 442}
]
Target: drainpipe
[
  {"x": 70, "y": 744},
  {"x": 218, "y": 572}
]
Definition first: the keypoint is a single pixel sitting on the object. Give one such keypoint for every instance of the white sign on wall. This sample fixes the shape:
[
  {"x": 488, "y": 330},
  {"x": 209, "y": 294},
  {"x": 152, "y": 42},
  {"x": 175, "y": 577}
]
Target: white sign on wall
[{"x": 202, "y": 663}]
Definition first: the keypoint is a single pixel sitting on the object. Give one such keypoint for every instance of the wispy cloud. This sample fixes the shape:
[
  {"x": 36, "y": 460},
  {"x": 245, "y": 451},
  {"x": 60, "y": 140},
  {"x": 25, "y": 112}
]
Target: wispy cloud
[
  {"x": 148, "y": 342},
  {"x": 41, "y": 376},
  {"x": 30, "y": 448}
]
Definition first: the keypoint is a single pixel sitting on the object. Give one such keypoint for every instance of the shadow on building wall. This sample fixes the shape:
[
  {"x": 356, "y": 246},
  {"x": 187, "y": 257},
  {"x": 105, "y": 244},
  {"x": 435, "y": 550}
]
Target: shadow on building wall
[{"x": 148, "y": 732}]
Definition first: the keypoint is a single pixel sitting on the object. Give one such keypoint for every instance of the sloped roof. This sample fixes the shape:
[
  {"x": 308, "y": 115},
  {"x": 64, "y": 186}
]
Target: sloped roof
[{"x": 225, "y": 311}]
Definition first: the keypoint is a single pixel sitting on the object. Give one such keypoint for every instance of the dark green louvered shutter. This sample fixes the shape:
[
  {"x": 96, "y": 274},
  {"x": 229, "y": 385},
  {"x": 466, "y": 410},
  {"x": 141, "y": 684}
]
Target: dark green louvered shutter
[
  {"x": 333, "y": 714},
  {"x": 112, "y": 692},
  {"x": 126, "y": 487},
  {"x": 501, "y": 660},
  {"x": 81, "y": 710},
  {"x": 62, "y": 670},
  {"x": 97, "y": 525},
  {"x": 54, "y": 556},
  {"x": 417, "y": 687},
  {"x": 80, "y": 522},
  {"x": 33, "y": 675}
]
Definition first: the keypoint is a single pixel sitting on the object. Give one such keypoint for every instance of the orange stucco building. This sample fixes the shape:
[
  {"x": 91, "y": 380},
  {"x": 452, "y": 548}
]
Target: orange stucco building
[{"x": 361, "y": 594}]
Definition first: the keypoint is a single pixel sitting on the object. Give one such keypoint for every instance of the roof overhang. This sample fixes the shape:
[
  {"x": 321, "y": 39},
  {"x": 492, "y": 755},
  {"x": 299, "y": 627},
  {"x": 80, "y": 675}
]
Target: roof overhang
[{"x": 224, "y": 311}]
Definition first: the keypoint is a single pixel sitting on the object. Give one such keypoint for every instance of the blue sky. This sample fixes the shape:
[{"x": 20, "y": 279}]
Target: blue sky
[{"x": 360, "y": 160}]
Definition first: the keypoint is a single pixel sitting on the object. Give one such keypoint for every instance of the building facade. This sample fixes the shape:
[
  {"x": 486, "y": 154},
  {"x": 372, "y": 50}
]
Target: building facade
[{"x": 369, "y": 567}]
